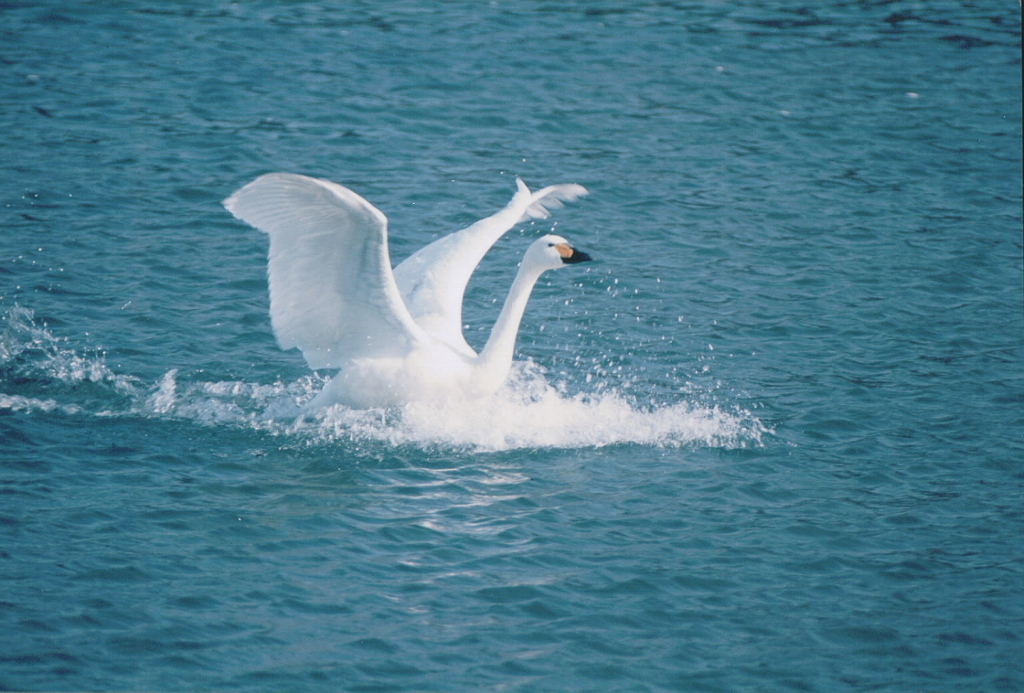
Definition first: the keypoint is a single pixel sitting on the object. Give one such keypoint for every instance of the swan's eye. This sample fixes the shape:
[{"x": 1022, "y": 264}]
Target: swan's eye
[{"x": 551, "y": 245}]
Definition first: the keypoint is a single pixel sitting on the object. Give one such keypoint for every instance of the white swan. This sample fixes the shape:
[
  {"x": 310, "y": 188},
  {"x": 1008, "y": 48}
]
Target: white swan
[{"x": 394, "y": 336}]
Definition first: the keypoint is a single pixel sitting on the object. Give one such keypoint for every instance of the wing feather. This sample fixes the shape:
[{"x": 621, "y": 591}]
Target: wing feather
[{"x": 332, "y": 291}]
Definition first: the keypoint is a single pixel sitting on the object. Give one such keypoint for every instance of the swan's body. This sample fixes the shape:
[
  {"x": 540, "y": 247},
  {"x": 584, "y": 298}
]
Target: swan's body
[{"x": 395, "y": 336}]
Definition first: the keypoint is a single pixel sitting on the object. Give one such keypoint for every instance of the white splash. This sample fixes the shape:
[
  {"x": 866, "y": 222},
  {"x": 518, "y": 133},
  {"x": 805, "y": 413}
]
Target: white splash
[
  {"x": 528, "y": 413},
  {"x": 502, "y": 423},
  {"x": 32, "y": 349}
]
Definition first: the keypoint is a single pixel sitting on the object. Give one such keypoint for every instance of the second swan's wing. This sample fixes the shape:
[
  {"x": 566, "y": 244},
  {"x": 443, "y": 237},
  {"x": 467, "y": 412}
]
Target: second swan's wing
[
  {"x": 332, "y": 292},
  {"x": 433, "y": 280}
]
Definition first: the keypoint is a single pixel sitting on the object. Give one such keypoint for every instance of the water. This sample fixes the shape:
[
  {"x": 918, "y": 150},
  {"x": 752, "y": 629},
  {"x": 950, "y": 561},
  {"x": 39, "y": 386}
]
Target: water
[{"x": 770, "y": 440}]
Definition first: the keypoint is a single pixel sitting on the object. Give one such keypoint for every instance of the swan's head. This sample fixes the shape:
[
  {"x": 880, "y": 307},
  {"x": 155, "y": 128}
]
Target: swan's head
[{"x": 552, "y": 252}]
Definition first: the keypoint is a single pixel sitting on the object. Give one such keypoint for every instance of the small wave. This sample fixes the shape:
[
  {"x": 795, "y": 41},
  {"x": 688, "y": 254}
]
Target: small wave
[
  {"x": 30, "y": 404},
  {"x": 528, "y": 413},
  {"x": 29, "y": 350},
  {"x": 228, "y": 402}
]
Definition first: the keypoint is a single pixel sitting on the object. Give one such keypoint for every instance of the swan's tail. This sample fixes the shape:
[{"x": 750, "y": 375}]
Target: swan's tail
[{"x": 551, "y": 197}]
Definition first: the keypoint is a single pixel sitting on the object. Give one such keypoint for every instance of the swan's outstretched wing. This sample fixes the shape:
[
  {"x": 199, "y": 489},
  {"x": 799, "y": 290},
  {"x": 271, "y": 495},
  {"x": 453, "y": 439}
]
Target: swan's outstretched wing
[
  {"x": 332, "y": 291},
  {"x": 432, "y": 281}
]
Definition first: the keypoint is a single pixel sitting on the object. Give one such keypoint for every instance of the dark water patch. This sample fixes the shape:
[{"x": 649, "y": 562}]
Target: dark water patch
[
  {"x": 125, "y": 574},
  {"x": 197, "y": 602}
]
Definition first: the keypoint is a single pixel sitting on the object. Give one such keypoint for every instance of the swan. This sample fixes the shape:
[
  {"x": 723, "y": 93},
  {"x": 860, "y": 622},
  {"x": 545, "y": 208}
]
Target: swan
[{"x": 395, "y": 336}]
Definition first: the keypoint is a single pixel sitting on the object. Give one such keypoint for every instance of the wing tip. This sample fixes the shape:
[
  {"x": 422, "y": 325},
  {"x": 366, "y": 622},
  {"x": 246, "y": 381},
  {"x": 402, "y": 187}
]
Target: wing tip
[
  {"x": 294, "y": 189},
  {"x": 553, "y": 197}
]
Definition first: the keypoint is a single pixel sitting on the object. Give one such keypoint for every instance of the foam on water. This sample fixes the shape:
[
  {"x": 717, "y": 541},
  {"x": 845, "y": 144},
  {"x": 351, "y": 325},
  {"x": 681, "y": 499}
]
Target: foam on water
[{"x": 529, "y": 413}]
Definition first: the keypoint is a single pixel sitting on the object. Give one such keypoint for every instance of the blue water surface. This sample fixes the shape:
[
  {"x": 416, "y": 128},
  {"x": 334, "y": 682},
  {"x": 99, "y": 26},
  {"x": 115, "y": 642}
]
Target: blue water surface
[{"x": 771, "y": 440}]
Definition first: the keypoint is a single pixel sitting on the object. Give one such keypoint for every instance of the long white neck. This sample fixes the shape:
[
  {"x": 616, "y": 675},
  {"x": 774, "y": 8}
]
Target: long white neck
[{"x": 495, "y": 360}]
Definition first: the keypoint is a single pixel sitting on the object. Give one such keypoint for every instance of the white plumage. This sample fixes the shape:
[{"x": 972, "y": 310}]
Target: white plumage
[{"x": 395, "y": 336}]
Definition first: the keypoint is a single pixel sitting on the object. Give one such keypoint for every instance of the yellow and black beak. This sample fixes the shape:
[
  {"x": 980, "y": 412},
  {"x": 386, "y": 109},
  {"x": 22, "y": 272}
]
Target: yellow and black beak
[{"x": 570, "y": 255}]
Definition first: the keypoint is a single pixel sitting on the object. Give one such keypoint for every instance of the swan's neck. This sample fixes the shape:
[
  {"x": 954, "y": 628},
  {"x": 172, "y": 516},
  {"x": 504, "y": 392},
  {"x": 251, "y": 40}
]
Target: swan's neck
[{"x": 496, "y": 358}]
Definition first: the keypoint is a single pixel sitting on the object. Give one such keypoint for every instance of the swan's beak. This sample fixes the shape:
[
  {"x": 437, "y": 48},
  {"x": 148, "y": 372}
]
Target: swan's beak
[{"x": 571, "y": 256}]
